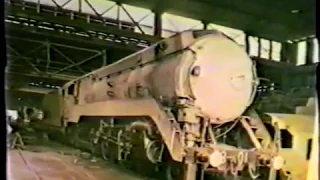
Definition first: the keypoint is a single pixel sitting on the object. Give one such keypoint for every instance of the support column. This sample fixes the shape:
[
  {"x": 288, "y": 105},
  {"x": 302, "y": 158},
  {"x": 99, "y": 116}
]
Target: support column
[
  {"x": 310, "y": 51},
  {"x": 104, "y": 58},
  {"x": 259, "y": 47},
  {"x": 293, "y": 53},
  {"x": 80, "y": 6},
  {"x": 157, "y": 31},
  {"x": 205, "y": 25},
  {"x": 289, "y": 53},
  {"x": 284, "y": 52},
  {"x": 270, "y": 50},
  {"x": 318, "y": 49},
  {"x": 247, "y": 43},
  {"x": 48, "y": 55}
]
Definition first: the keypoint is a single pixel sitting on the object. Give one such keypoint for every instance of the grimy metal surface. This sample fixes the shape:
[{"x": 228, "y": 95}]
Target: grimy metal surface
[{"x": 184, "y": 85}]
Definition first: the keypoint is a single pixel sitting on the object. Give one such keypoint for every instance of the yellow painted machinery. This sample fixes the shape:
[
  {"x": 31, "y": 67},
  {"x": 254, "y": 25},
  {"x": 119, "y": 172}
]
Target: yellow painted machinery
[
  {"x": 313, "y": 169},
  {"x": 299, "y": 135}
]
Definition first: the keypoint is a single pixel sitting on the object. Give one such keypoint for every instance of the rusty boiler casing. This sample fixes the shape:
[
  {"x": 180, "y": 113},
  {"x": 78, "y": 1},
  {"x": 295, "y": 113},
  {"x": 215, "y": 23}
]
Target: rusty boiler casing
[{"x": 206, "y": 67}]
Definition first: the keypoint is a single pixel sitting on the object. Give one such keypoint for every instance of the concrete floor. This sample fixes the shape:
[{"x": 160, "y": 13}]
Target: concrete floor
[{"x": 53, "y": 165}]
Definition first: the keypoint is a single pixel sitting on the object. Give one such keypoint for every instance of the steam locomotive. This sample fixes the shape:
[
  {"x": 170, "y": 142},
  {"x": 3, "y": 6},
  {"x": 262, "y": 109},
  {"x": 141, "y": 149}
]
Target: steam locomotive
[{"x": 184, "y": 102}]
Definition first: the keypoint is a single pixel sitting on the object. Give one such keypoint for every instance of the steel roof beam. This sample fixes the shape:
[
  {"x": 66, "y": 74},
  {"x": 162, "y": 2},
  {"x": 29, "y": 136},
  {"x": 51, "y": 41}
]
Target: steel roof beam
[
  {"x": 46, "y": 76},
  {"x": 79, "y": 23},
  {"x": 30, "y": 89}
]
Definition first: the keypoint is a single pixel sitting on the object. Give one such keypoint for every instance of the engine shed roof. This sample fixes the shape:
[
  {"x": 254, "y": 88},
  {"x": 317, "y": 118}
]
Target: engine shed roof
[{"x": 279, "y": 20}]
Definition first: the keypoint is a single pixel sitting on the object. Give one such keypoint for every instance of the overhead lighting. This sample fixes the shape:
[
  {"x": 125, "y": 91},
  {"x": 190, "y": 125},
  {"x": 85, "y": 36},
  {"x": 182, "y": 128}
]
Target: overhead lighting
[{"x": 295, "y": 11}]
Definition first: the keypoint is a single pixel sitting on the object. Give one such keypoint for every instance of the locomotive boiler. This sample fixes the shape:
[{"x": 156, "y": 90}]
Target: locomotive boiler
[{"x": 180, "y": 99}]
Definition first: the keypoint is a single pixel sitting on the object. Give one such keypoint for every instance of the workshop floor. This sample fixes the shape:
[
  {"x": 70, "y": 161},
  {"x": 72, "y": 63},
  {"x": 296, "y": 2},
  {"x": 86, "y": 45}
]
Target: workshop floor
[{"x": 58, "y": 165}]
